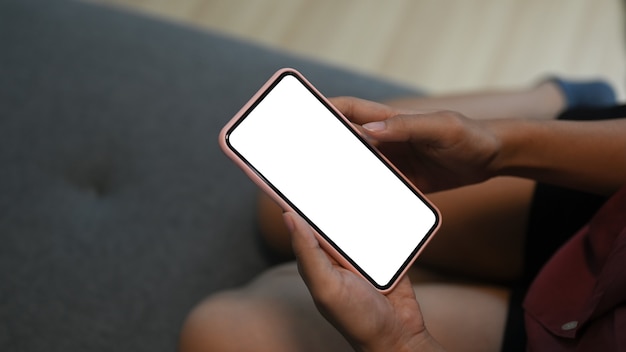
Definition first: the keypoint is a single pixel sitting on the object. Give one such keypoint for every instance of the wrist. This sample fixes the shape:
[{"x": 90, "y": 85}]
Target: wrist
[{"x": 513, "y": 138}]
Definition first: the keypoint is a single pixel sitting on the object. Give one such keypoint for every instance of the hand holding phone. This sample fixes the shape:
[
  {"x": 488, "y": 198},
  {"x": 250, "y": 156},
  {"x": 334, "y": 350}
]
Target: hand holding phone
[
  {"x": 436, "y": 150},
  {"x": 309, "y": 158}
]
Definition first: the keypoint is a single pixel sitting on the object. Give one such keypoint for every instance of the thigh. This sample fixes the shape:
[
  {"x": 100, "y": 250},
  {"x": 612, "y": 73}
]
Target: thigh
[
  {"x": 483, "y": 230},
  {"x": 276, "y": 313},
  {"x": 462, "y": 315}
]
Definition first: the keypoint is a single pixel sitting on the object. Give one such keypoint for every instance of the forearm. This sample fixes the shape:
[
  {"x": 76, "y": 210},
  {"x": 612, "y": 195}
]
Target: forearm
[{"x": 589, "y": 155}]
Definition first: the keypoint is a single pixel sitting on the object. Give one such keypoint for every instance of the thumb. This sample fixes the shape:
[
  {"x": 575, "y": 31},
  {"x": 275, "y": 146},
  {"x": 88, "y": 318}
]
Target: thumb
[
  {"x": 403, "y": 128},
  {"x": 313, "y": 263}
]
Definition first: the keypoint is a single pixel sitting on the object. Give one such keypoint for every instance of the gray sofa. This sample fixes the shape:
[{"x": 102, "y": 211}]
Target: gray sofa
[{"x": 118, "y": 211}]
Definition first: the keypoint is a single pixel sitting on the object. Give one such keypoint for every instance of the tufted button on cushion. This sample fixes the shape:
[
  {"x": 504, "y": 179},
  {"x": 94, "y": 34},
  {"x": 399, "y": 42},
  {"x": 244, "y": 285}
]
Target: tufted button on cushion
[{"x": 118, "y": 212}]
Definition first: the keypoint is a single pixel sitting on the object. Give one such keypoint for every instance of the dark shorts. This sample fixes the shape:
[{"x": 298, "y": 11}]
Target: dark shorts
[{"x": 556, "y": 214}]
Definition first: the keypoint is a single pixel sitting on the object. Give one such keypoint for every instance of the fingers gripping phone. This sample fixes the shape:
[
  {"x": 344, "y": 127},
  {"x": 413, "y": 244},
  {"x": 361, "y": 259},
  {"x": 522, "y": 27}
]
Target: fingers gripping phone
[{"x": 310, "y": 159}]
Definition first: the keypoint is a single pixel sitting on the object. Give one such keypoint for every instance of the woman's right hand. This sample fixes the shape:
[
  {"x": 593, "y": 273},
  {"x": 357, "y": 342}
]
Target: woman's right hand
[{"x": 436, "y": 150}]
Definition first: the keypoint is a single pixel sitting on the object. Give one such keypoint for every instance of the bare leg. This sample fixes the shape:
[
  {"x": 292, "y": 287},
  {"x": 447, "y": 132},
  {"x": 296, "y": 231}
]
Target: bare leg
[
  {"x": 276, "y": 313},
  {"x": 481, "y": 236},
  {"x": 271, "y": 226},
  {"x": 483, "y": 230},
  {"x": 544, "y": 101}
]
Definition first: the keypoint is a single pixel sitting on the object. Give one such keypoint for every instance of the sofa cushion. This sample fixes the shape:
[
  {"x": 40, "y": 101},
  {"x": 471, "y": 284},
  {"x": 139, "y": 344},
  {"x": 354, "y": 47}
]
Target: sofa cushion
[{"x": 118, "y": 212}]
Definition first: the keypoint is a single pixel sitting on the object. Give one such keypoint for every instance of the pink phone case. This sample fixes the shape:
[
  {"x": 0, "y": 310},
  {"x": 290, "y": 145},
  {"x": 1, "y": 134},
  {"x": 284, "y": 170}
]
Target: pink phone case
[{"x": 281, "y": 202}]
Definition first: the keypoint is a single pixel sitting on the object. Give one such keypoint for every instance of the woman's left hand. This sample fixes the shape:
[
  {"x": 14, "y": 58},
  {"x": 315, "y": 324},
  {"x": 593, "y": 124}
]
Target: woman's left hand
[{"x": 370, "y": 320}]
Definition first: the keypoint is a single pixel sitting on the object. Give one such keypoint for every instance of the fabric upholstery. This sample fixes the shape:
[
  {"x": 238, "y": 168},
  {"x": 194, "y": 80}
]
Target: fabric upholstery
[{"x": 118, "y": 211}]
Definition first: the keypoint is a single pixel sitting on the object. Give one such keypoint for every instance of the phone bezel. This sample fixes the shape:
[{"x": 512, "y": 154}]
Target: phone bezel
[{"x": 265, "y": 184}]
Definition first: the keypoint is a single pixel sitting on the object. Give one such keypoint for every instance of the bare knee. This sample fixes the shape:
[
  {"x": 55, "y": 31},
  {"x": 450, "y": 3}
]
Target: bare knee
[
  {"x": 233, "y": 321},
  {"x": 465, "y": 317},
  {"x": 273, "y": 313},
  {"x": 203, "y": 328}
]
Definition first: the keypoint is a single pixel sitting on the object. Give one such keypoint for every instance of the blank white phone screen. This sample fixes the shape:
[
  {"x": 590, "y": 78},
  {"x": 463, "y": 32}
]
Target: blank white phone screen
[{"x": 333, "y": 179}]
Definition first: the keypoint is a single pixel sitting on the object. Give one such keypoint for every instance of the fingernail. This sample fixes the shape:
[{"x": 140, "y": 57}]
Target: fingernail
[{"x": 376, "y": 126}]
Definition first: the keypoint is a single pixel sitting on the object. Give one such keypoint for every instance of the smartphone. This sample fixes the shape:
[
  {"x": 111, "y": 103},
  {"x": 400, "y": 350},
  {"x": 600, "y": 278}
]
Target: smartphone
[{"x": 310, "y": 159}]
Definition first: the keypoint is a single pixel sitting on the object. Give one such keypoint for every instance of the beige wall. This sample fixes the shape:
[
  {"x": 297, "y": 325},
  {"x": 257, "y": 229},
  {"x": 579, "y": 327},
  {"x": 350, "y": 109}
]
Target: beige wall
[{"x": 443, "y": 45}]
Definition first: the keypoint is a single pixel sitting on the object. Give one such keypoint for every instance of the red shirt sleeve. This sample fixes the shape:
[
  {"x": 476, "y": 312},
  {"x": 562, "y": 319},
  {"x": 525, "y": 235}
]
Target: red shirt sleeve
[{"x": 577, "y": 302}]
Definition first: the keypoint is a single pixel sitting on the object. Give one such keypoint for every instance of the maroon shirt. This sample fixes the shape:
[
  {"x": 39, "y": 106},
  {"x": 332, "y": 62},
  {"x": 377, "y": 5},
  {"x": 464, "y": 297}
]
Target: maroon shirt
[{"x": 577, "y": 302}]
